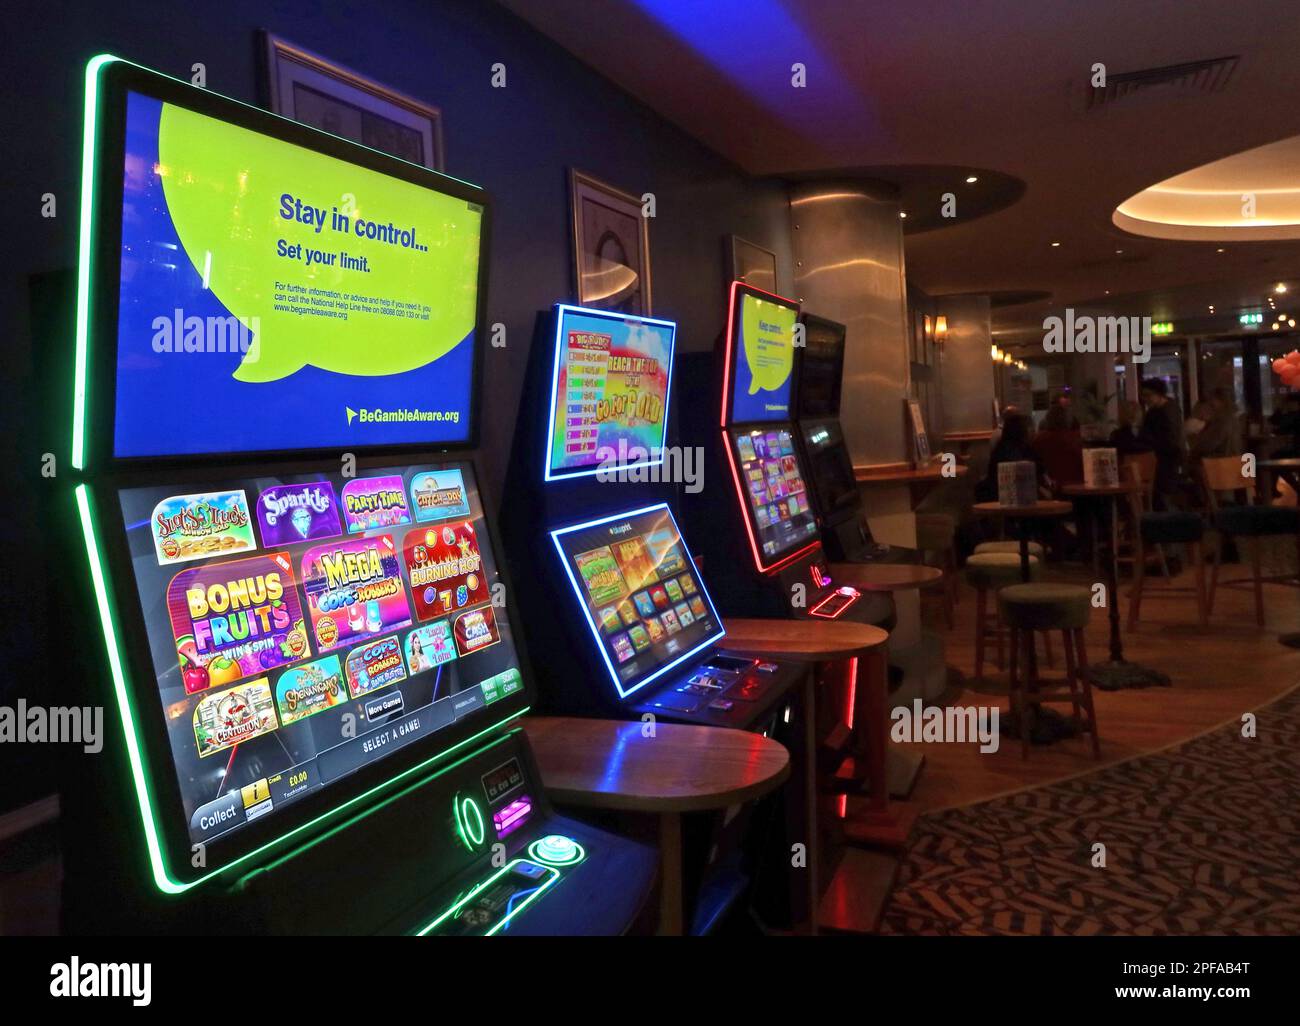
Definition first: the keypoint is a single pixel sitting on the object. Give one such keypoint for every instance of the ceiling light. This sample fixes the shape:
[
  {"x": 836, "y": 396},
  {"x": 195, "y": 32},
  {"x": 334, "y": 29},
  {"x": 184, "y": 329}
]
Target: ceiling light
[
  {"x": 1291, "y": 323},
  {"x": 1275, "y": 325},
  {"x": 1055, "y": 244},
  {"x": 1118, "y": 252},
  {"x": 1220, "y": 250},
  {"x": 971, "y": 179},
  {"x": 1280, "y": 287},
  {"x": 902, "y": 213}
]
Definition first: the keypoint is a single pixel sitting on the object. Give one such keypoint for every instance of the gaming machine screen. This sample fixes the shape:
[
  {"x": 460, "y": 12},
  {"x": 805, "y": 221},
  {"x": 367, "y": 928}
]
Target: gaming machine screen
[
  {"x": 641, "y": 594},
  {"x": 763, "y": 359},
  {"x": 609, "y": 397},
  {"x": 304, "y": 626},
  {"x": 779, "y": 505},
  {"x": 821, "y": 368},
  {"x": 313, "y": 302}
]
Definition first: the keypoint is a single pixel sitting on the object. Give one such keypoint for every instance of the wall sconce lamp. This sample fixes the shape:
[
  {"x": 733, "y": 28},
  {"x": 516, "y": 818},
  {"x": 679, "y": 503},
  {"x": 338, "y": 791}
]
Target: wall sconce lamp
[{"x": 940, "y": 328}]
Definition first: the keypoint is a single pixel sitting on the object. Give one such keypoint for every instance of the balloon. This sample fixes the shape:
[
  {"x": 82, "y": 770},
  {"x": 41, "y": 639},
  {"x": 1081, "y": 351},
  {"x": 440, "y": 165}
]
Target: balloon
[
  {"x": 1280, "y": 366},
  {"x": 1293, "y": 357}
]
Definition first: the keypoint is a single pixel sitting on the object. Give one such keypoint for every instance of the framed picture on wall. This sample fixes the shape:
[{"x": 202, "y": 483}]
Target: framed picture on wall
[
  {"x": 308, "y": 88},
  {"x": 611, "y": 247},
  {"x": 749, "y": 263},
  {"x": 916, "y": 426}
]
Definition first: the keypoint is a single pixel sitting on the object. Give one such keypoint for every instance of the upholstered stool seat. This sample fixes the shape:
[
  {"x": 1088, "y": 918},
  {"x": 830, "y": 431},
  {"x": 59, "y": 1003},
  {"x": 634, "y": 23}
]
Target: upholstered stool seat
[
  {"x": 1035, "y": 548},
  {"x": 1172, "y": 527},
  {"x": 1045, "y": 607},
  {"x": 1026, "y": 608},
  {"x": 1258, "y": 521},
  {"x": 987, "y": 573}
]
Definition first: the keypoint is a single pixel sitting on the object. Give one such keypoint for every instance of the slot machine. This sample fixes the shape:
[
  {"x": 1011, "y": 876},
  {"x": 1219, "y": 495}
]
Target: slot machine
[{"x": 309, "y": 641}]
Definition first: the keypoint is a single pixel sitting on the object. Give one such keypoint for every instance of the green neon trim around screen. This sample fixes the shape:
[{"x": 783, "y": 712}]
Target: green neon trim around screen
[
  {"x": 85, "y": 250},
  {"x": 144, "y": 793}
]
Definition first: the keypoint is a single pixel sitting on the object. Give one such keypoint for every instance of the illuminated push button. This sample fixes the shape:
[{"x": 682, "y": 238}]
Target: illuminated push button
[{"x": 556, "y": 850}]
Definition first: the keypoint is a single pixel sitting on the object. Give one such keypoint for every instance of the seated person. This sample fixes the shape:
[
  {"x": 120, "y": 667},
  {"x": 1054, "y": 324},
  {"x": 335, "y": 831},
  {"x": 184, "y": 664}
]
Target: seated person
[{"x": 1059, "y": 448}]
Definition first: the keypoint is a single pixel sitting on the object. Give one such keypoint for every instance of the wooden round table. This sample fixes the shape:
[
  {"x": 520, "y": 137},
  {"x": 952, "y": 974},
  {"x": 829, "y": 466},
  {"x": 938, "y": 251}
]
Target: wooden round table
[
  {"x": 886, "y": 577},
  {"x": 1108, "y": 674},
  {"x": 1016, "y": 515},
  {"x": 664, "y": 769}
]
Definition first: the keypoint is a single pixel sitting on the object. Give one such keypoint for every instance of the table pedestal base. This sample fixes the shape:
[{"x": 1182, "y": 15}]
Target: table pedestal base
[
  {"x": 1046, "y": 726},
  {"x": 1120, "y": 675}
]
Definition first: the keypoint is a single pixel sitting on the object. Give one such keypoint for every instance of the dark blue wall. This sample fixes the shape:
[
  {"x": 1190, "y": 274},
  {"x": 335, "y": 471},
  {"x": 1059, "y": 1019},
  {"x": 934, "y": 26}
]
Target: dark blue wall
[{"x": 517, "y": 142}]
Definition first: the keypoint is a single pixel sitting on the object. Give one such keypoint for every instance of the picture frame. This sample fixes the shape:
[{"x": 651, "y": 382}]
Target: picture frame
[
  {"x": 313, "y": 90},
  {"x": 750, "y": 263},
  {"x": 920, "y": 437},
  {"x": 611, "y": 247}
]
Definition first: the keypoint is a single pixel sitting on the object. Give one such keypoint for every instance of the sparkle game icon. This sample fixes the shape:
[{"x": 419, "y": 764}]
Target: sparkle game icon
[
  {"x": 445, "y": 569},
  {"x": 354, "y": 591},
  {"x": 375, "y": 665},
  {"x": 189, "y": 527},
  {"x": 298, "y": 512},
  {"x": 439, "y": 495},
  {"x": 237, "y": 619},
  {"x": 370, "y": 503},
  {"x": 228, "y": 718},
  {"x": 308, "y": 689}
]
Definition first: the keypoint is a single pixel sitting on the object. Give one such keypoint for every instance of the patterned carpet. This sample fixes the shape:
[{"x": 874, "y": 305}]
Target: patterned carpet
[{"x": 1203, "y": 838}]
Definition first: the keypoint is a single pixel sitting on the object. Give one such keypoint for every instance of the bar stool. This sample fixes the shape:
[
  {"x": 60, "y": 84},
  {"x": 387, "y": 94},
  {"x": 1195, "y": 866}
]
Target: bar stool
[
  {"x": 1035, "y": 548},
  {"x": 1168, "y": 528},
  {"x": 1027, "y": 608},
  {"x": 990, "y": 572},
  {"x": 1227, "y": 474},
  {"x": 935, "y": 536}
]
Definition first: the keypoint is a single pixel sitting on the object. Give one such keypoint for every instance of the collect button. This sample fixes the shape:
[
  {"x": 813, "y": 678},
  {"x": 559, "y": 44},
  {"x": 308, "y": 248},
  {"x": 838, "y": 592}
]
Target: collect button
[{"x": 218, "y": 816}]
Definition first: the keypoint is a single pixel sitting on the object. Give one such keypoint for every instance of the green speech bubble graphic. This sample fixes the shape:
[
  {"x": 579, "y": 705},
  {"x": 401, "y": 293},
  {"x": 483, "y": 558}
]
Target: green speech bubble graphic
[
  {"x": 328, "y": 263},
  {"x": 767, "y": 330}
]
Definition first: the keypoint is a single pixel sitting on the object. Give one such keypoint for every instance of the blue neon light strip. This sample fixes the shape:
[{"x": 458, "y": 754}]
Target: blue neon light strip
[
  {"x": 561, "y": 311},
  {"x": 533, "y": 895},
  {"x": 586, "y": 606}
]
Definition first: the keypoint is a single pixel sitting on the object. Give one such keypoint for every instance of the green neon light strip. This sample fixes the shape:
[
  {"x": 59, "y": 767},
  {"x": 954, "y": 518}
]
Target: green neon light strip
[
  {"x": 462, "y": 902},
  {"x": 85, "y": 255},
  {"x": 144, "y": 794},
  {"x": 474, "y": 835},
  {"x": 90, "y": 121}
]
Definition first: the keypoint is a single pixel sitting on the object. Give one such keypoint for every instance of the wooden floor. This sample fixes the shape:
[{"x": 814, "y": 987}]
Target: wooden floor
[{"x": 1218, "y": 674}]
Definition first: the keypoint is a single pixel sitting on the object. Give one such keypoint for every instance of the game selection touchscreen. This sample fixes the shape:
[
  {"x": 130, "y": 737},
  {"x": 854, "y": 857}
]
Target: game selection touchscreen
[
  {"x": 778, "y": 497},
  {"x": 315, "y": 303},
  {"x": 640, "y": 591},
  {"x": 610, "y": 395},
  {"x": 764, "y": 360},
  {"x": 304, "y": 626}
]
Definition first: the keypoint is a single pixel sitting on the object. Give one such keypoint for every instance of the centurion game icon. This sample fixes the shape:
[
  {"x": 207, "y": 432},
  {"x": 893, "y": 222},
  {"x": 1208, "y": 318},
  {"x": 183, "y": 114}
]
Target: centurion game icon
[{"x": 228, "y": 718}]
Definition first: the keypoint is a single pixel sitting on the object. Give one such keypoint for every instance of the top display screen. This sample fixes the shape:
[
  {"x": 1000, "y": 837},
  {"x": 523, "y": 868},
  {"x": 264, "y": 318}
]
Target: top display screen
[
  {"x": 304, "y": 627},
  {"x": 762, "y": 356},
  {"x": 609, "y": 393},
  {"x": 640, "y": 591},
  {"x": 821, "y": 367},
  {"x": 274, "y": 297}
]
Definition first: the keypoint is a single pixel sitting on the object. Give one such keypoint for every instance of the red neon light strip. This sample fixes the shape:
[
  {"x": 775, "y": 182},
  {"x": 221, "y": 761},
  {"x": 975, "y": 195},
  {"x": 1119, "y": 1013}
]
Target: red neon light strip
[{"x": 850, "y": 710}]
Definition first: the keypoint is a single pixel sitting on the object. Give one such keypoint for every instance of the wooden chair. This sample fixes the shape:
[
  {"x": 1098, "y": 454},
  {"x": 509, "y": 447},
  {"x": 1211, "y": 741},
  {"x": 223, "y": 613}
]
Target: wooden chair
[
  {"x": 1139, "y": 468},
  {"x": 1226, "y": 475}
]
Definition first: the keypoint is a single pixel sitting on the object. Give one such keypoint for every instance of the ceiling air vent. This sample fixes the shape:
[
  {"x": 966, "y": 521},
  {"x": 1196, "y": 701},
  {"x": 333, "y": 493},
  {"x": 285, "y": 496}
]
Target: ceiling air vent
[{"x": 1209, "y": 76}]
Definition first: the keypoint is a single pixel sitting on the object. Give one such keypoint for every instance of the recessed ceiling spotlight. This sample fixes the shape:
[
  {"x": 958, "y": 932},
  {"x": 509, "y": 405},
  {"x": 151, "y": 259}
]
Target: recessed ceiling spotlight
[
  {"x": 1118, "y": 252},
  {"x": 1220, "y": 250},
  {"x": 971, "y": 179},
  {"x": 1291, "y": 323},
  {"x": 1211, "y": 308},
  {"x": 1275, "y": 325},
  {"x": 1055, "y": 244},
  {"x": 902, "y": 213},
  {"x": 1108, "y": 292},
  {"x": 1280, "y": 287}
]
